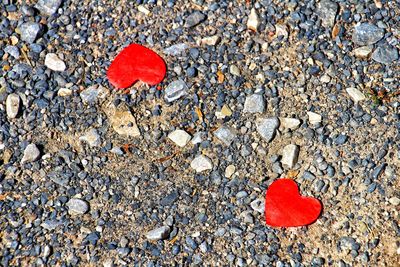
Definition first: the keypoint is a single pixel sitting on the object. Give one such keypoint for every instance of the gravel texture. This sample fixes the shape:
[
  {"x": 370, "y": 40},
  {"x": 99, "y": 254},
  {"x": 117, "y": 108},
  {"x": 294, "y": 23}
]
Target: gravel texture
[{"x": 90, "y": 177}]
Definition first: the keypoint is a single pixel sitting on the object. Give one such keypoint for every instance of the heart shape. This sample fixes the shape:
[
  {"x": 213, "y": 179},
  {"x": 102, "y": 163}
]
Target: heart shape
[
  {"x": 136, "y": 63},
  {"x": 285, "y": 207}
]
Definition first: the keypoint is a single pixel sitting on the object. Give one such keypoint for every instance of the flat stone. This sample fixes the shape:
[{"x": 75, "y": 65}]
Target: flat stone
[
  {"x": 169, "y": 199},
  {"x": 176, "y": 49},
  {"x": 385, "y": 54},
  {"x": 194, "y": 19},
  {"x": 201, "y": 163},
  {"x": 158, "y": 233},
  {"x": 175, "y": 90},
  {"x": 290, "y": 155},
  {"x": 253, "y": 22},
  {"x": 234, "y": 70},
  {"x": 179, "y": 137},
  {"x": 63, "y": 92},
  {"x": 225, "y": 134},
  {"x": 122, "y": 120},
  {"x": 367, "y": 34},
  {"x": 254, "y": 104},
  {"x": 13, "y": 51},
  {"x": 314, "y": 118},
  {"x": 92, "y": 137},
  {"x": 210, "y": 40},
  {"x": 327, "y": 11},
  {"x": 31, "y": 154},
  {"x": 355, "y": 94},
  {"x": 92, "y": 93},
  {"x": 363, "y": 51},
  {"x": 290, "y": 123},
  {"x": 258, "y": 205},
  {"x": 395, "y": 201},
  {"x": 266, "y": 127},
  {"x": 77, "y": 206},
  {"x": 48, "y": 7},
  {"x": 30, "y": 31},
  {"x": 229, "y": 171},
  {"x": 13, "y": 103},
  {"x": 53, "y": 62}
]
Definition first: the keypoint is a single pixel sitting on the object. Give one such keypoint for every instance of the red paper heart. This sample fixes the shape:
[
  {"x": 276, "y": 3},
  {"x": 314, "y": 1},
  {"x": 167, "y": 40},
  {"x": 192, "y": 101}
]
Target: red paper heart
[
  {"x": 135, "y": 63},
  {"x": 285, "y": 207}
]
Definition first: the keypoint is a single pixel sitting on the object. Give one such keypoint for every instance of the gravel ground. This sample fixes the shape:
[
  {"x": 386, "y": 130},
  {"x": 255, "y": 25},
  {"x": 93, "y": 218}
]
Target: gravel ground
[{"x": 255, "y": 90}]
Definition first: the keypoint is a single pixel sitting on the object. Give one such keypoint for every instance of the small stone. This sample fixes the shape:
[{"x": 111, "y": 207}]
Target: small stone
[
  {"x": 30, "y": 31},
  {"x": 267, "y": 128},
  {"x": 175, "y": 90},
  {"x": 363, "y": 51},
  {"x": 258, "y": 205},
  {"x": 355, "y": 94},
  {"x": 201, "y": 163},
  {"x": 253, "y": 22},
  {"x": 48, "y": 7},
  {"x": 12, "y": 105},
  {"x": 229, "y": 171},
  {"x": 325, "y": 78},
  {"x": 225, "y": 112},
  {"x": 367, "y": 34},
  {"x": 175, "y": 50},
  {"x": 194, "y": 19},
  {"x": 122, "y": 121},
  {"x": 179, "y": 137},
  {"x": 92, "y": 93},
  {"x": 63, "y": 92},
  {"x": 234, "y": 70},
  {"x": 385, "y": 54},
  {"x": 158, "y": 233},
  {"x": 31, "y": 154},
  {"x": 314, "y": 118},
  {"x": 92, "y": 137},
  {"x": 327, "y": 11},
  {"x": 225, "y": 134},
  {"x": 290, "y": 123},
  {"x": 13, "y": 51},
  {"x": 77, "y": 206},
  {"x": 254, "y": 104},
  {"x": 290, "y": 155},
  {"x": 395, "y": 201},
  {"x": 211, "y": 40},
  {"x": 144, "y": 10},
  {"x": 53, "y": 62}
]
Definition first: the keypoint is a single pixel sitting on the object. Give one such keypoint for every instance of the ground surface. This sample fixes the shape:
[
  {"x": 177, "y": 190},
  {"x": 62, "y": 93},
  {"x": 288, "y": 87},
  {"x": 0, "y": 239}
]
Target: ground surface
[{"x": 301, "y": 59}]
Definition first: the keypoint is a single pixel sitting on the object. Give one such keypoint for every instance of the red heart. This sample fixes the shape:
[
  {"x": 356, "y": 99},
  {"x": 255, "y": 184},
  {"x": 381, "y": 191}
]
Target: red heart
[
  {"x": 285, "y": 207},
  {"x": 135, "y": 63}
]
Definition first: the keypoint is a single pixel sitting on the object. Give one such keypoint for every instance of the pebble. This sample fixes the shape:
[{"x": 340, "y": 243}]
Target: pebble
[
  {"x": 327, "y": 11},
  {"x": 367, "y": 34},
  {"x": 254, "y": 104},
  {"x": 48, "y": 7},
  {"x": 290, "y": 123},
  {"x": 225, "y": 134},
  {"x": 266, "y": 127},
  {"x": 176, "y": 49},
  {"x": 229, "y": 171},
  {"x": 179, "y": 137},
  {"x": 30, "y": 31},
  {"x": 122, "y": 120},
  {"x": 160, "y": 233},
  {"x": 13, "y": 51},
  {"x": 234, "y": 70},
  {"x": 92, "y": 93},
  {"x": 175, "y": 90},
  {"x": 290, "y": 155},
  {"x": 258, "y": 205},
  {"x": 395, "y": 201},
  {"x": 194, "y": 19},
  {"x": 12, "y": 105},
  {"x": 385, "y": 54},
  {"x": 355, "y": 94},
  {"x": 31, "y": 154},
  {"x": 201, "y": 163},
  {"x": 363, "y": 51},
  {"x": 53, "y": 62},
  {"x": 314, "y": 118},
  {"x": 210, "y": 40},
  {"x": 91, "y": 137},
  {"x": 77, "y": 206},
  {"x": 253, "y": 22}
]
